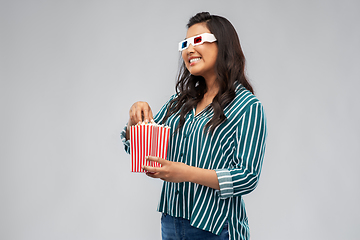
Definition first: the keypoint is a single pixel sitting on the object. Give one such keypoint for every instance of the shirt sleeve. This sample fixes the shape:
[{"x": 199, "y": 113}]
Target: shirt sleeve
[
  {"x": 157, "y": 118},
  {"x": 123, "y": 139},
  {"x": 248, "y": 155}
]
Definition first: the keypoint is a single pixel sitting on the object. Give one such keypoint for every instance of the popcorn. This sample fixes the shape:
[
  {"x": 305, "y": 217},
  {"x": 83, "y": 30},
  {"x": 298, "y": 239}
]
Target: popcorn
[{"x": 148, "y": 139}]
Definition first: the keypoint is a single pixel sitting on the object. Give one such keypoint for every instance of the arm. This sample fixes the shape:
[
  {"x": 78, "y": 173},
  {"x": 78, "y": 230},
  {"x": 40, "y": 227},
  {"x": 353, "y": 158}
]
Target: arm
[
  {"x": 250, "y": 147},
  {"x": 141, "y": 111},
  {"x": 248, "y": 155},
  {"x": 180, "y": 172}
]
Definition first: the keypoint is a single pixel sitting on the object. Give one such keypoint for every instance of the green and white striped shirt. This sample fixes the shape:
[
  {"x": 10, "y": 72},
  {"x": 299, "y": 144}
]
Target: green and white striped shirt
[{"x": 235, "y": 150}]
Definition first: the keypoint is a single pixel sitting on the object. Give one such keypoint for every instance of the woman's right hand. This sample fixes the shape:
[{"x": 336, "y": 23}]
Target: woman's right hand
[{"x": 139, "y": 112}]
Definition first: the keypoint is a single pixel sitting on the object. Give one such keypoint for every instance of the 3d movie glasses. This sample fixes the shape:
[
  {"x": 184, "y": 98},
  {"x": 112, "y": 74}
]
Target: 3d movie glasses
[{"x": 196, "y": 40}]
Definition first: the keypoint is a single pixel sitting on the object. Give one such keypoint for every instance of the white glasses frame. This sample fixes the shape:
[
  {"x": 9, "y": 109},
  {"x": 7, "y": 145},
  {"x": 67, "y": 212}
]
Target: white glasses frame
[{"x": 204, "y": 37}]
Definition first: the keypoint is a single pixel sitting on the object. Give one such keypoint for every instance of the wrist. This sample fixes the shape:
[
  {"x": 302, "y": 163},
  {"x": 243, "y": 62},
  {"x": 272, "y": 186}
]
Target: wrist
[
  {"x": 205, "y": 177},
  {"x": 190, "y": 174}
]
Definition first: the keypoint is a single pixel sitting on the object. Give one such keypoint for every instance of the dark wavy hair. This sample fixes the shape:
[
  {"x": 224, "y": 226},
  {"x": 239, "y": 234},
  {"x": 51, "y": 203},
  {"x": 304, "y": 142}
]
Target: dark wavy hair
[{"x": 229, "y": 67}]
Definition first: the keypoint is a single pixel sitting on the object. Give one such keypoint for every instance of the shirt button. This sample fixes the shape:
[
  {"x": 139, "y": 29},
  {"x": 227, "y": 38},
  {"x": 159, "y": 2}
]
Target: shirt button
[
  {"x": 177, "y": 192},
  {"x": 181, "y": 154}
]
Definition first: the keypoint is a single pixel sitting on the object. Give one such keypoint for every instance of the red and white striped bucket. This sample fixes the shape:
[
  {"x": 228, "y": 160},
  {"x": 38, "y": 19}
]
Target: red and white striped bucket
[{"x": 147, "y": 140}]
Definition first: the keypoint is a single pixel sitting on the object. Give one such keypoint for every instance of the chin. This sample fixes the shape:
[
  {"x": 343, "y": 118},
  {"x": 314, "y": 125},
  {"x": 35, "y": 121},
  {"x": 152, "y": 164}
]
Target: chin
[{"x": 195, "y": 73}]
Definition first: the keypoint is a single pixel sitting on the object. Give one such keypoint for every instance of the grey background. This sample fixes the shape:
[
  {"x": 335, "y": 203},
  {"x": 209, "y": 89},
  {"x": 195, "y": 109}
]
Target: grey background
[{"x": 70, "y": 70}]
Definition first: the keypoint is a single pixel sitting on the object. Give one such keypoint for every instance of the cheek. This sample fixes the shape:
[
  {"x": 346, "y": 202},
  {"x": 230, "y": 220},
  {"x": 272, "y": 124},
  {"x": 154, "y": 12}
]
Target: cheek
[
  {"x": 184, "y": 57},
  {"x": 213, "y": 56}
]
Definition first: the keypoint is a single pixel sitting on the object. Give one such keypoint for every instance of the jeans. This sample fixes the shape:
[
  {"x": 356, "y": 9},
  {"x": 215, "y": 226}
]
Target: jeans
[{"x": 173, "y": 228}]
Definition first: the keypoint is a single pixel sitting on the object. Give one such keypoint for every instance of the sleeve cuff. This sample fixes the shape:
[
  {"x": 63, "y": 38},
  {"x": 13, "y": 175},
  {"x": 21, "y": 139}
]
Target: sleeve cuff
[
  {"x": 123, "y": 139},
  {"x": 225, "y": 183}
]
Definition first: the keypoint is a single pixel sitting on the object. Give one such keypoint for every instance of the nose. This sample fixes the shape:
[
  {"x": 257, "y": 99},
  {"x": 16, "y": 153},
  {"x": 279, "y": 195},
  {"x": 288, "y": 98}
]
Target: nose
[{"x": 190, "y": 49}]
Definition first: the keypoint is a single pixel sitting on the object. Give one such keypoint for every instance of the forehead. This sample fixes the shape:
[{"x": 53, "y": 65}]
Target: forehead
[{"x": 197, "y": 29}]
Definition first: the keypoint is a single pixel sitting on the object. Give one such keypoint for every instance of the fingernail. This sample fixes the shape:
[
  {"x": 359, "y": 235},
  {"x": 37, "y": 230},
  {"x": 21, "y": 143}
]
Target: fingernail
[{"x": 146, "y": 120}]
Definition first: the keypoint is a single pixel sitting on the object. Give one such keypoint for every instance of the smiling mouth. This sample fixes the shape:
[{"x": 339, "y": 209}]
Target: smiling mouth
[{"x": 194, "y": 60}]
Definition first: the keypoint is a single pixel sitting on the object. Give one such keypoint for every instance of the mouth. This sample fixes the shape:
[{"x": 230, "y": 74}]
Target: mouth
[{"x": 194, "y": 60}]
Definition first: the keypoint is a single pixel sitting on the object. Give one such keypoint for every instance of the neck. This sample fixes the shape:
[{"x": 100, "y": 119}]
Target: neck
[{"x": 212, "y": 86}]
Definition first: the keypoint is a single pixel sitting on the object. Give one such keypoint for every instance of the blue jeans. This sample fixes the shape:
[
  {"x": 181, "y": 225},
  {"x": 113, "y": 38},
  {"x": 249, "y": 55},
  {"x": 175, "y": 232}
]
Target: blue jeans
[{"x": 173, "y": 228}]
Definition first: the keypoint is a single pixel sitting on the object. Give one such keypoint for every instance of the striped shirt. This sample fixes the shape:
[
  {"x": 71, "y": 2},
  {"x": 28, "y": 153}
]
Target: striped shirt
[{"x": 235, "y": 150}]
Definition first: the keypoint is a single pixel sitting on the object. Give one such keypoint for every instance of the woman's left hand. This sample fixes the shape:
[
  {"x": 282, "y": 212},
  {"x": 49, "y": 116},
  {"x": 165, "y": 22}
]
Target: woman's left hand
[{"x": 169, "y": 171}]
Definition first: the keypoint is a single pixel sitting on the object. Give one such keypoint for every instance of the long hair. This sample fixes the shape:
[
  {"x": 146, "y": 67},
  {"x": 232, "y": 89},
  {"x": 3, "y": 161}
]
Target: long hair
[{"x": 229, "y": 67}]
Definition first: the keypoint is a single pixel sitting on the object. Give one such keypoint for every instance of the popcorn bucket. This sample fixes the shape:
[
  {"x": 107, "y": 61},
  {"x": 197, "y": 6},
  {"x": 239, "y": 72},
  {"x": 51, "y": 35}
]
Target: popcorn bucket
[{"x": 147, "y": 140}]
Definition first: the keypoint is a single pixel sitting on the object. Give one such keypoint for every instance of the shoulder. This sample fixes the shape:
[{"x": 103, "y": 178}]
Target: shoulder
[
  {"x": 242, "y": 103},
  {"x": 165, "y": 106},
  {"x": 172, "y": 97}
]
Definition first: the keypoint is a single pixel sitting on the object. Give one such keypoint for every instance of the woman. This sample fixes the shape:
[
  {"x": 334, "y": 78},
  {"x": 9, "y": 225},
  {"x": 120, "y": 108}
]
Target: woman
[{"x": 217, "y": 143}]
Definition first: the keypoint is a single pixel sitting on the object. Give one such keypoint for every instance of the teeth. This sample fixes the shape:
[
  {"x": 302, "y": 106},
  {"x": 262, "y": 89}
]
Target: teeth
[{"x": 194, "y": 60}]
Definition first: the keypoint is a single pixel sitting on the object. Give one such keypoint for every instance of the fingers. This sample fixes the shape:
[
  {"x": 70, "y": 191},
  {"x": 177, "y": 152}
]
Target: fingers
[
  {"x": 150, "y": 169},
  {"x": 138, "y": 115},
  {"x": 154, "y": 172},
  {"x": 156, "y": 159},
  {"x": 153, "y": 175},
  {"x": 146, "y": 115},
  {"x": 139, "y": 112},
  {"x": 150, "y": 115}
]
